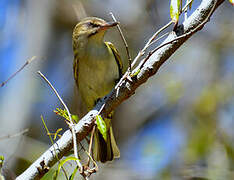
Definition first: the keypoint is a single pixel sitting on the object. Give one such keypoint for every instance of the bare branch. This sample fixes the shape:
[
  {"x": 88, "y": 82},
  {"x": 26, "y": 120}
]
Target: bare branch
[
  {"x": 126, "y": 88},
  {"x": 124, "y": 40},
  {"x": 71, "y": 124},
  {"x": 20, "y": 69},
  {"x": 14, "y": 135}
]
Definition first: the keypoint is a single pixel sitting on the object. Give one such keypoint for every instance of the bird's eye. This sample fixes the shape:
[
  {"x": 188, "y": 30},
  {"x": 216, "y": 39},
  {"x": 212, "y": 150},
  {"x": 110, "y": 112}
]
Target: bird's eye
[{"x": 91, "y": 24}]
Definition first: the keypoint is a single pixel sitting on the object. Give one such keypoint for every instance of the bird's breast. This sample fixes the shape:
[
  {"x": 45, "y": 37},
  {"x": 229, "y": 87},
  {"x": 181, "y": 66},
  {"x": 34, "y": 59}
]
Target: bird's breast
[{"x": 98, "y": 72}]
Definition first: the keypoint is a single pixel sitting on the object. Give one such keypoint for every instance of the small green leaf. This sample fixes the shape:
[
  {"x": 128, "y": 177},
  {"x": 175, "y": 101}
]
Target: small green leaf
[
  {"x": 175, "y": 10},
  {"x": 62, "y": 162},
  {"x": 232, "y": 2},
  {"x": 56, "y": 133},
  {"x": 1, "y": 158},
  {"x": 101, "y": 125},
  {"x": 73, "y": 174},
  {"x": 62, "y": 112},
  {"x": 1, "y": 162},
  {"x": 135, "y": 73},
  {"x": 75, "y": 118}
]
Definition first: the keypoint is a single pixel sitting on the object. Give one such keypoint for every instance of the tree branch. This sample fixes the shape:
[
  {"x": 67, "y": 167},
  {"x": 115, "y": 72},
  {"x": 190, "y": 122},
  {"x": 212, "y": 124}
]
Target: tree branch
[{"x": 124, "y": 91}]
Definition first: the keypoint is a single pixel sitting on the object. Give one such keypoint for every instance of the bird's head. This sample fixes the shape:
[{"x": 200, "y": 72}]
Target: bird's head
[{"x": 92, "y": 27}]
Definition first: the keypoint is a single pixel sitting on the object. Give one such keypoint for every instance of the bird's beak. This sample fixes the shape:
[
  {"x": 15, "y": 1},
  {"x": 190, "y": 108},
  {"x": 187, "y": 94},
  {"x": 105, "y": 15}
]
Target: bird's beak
[{"x": 108, "y": 25}]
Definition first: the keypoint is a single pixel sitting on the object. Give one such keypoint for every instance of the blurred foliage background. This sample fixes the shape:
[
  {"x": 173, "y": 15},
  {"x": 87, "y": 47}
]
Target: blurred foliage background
[{"x": 178, "y": 125}]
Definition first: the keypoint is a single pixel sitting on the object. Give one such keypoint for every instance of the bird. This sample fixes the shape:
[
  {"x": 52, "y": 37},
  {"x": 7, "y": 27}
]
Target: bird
[{"x": 97, "y": 67}]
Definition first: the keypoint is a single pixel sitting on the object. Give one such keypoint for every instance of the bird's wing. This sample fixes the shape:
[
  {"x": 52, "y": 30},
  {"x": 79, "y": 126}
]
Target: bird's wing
[
  {"x": 117, "y": 57},
  {"x": 76, "y": 67}
]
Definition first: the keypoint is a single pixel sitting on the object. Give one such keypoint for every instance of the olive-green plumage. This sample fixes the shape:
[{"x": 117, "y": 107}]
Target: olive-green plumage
[{"x": 97, "y": 66}]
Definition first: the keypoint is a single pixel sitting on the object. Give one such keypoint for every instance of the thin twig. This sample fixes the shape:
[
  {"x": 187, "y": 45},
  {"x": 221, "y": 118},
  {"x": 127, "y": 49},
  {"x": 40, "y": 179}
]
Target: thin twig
[
  {"x": 82, "y": 147},
  {"x": 179, "y": 37},
  {"x": 142, "y": 52},
  {"x": 156, "y": 40},
  {"x": 95, "y": 164},
  {"x": 56, "y": 93},
  {"x": 20, "y": 69},
  {"x": 14, "y": 135},
  {"x": 186, "y": 5},
  {"x": 89, "y": 171},
  {"x": 90, "y": 143},
  {"x": 147, "y": 45},
  {"x": 87, "y": 140},
  {"x": 71, "y": 124},
  {"x": 124, "y": 40},
  {"x": 186, "y": 12},
  {"x": 153, "y": 42}
]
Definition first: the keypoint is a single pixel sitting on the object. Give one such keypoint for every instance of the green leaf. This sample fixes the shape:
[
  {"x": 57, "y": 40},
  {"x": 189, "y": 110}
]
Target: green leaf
[
  {"x": 175, "y": 10},
  {"x": 62, "y": 162},
  {"x": 56, "y": 133},
  {"x": 136, "y": 73},
  {"x": 1, "y": 158},
  {"x": 232, "y": 2},
  {"x": 1, "y": 162},
  {"x": 75, "y": 118},
  {"x": 47, "y": 130},
  {"x": 101, "y": 125},
  {"x": 62, "y": 112},
  {"x": 73, "y": 174}
]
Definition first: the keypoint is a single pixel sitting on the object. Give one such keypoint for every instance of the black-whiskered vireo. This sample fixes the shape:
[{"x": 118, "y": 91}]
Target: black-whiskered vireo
[{"x": 97, "y": 66}]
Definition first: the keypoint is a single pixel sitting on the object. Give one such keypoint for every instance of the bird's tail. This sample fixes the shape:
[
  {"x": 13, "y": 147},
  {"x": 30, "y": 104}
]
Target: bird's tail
[{"x": 105, "y": 150}]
